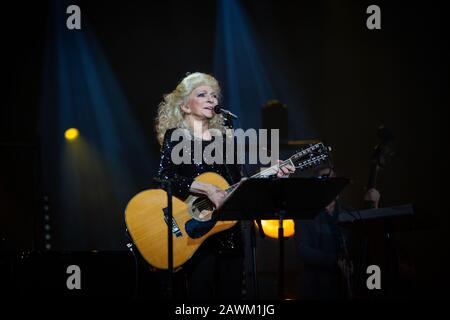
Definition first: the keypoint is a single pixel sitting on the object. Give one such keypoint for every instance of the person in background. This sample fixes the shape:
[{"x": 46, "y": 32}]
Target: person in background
[{"x": 323, "y": 248}]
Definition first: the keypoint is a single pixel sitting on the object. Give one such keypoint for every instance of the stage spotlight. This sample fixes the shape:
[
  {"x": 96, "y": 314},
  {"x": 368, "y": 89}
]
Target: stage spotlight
[{"x": 71, "y": 134}]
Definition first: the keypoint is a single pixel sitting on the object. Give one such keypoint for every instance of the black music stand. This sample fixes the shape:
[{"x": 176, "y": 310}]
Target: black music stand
[{"x": 294, "y": 198}]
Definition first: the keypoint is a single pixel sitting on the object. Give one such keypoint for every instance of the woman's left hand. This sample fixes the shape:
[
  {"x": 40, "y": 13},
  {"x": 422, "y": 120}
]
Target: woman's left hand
[{"x": 285, "y": 171}]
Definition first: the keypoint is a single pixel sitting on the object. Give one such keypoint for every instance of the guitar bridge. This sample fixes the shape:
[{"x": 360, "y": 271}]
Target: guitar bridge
[{"x": 175, "y": 229}]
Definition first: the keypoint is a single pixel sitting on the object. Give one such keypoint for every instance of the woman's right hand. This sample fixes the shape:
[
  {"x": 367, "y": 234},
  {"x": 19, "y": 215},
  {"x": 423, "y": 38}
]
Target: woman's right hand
[{"x": 216, "y": 195}]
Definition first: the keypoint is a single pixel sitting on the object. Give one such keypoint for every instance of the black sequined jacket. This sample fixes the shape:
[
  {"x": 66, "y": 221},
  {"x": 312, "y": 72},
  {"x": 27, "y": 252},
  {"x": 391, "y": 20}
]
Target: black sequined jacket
[{"x": 182, "y": 176}]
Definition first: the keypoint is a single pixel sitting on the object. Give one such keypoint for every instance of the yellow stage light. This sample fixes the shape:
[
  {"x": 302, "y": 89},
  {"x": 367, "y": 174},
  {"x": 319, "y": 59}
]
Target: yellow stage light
[
  {"x": 71, "y": 134},
  {"x": 270, "y": 228}
]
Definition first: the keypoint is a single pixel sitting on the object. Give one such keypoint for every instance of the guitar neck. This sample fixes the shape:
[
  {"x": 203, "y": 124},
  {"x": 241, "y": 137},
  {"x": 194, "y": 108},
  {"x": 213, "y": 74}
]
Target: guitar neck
[
  {"x": 274, "y": 169},
  {"x": 264, "y": 173}
]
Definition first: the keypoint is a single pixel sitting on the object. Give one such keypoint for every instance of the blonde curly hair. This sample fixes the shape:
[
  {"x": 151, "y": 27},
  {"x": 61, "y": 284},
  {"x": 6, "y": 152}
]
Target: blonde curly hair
[{"x": 170, "y": 114}]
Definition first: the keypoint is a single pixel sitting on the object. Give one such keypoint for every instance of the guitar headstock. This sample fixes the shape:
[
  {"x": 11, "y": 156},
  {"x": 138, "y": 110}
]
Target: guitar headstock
[{"x": 311, "y": 156}]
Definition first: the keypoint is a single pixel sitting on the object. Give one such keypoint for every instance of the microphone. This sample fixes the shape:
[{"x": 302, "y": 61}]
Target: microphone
[{"x": 218, "y": 110}]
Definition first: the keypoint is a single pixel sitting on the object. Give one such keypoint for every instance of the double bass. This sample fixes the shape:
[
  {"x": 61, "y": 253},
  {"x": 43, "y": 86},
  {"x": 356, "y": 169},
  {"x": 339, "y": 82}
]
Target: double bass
[{"x": 381, "y": 154}]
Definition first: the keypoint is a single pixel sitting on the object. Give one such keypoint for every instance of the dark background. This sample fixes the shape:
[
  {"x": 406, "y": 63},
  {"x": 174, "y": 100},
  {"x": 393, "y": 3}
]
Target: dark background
[{"x": 351, "y": 80}]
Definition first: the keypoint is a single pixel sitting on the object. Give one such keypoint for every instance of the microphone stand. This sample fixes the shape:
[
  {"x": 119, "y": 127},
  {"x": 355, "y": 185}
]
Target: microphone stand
[
  {"x": 166, "y": 184},
  {"x": 169, "y": 239},
  {"x": 229, "y": 124}
]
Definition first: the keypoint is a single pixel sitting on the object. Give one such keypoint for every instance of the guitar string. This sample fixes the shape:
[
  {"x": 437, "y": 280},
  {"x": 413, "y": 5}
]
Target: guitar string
[{"x": 206, "y": 203}]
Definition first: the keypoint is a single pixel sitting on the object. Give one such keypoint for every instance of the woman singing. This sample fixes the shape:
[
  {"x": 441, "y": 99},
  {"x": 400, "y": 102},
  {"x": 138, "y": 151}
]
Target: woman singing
[{"x": 215, "y": 270}]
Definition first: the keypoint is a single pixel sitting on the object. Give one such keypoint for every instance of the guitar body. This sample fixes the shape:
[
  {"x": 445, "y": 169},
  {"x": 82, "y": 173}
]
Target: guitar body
[{"x": 144, "y": 217}]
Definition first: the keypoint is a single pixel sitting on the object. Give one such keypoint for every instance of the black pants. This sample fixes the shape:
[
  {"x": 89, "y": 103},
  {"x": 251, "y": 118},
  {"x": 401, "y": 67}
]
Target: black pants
[{"x": 214, "y": 274}]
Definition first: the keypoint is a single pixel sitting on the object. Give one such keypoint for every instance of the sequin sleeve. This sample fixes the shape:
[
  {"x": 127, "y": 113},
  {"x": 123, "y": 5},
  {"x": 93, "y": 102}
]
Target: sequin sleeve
[{"x": 169, "y": 171}]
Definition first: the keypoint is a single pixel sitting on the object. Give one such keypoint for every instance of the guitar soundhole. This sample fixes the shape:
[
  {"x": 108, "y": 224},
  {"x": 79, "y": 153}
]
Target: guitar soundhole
[{"x": 202, "y": 209}]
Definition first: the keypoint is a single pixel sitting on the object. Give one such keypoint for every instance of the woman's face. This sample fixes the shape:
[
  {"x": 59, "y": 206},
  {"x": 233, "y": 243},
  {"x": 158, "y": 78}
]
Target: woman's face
[{"x": 201, "y": 103}]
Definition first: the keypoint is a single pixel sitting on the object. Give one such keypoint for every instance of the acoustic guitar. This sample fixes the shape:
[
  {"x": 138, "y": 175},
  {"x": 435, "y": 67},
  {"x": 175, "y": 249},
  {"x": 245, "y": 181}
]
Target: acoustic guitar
[{"x": 146, "y": 213}]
